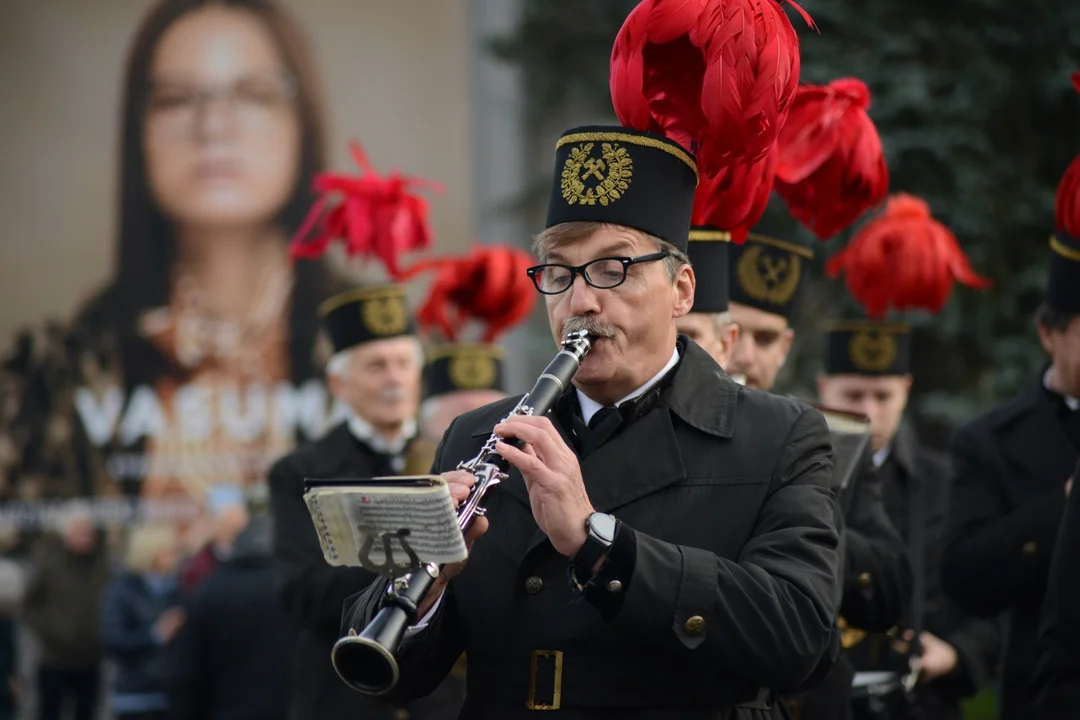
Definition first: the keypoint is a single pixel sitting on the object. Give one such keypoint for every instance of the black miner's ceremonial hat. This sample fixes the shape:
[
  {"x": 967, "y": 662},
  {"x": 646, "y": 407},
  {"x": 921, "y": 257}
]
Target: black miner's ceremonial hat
[
  {"x": 463, "y": 366},
  {"x": 709, "y": 251},
  {"x": 1063, "y": 284},
  {"x": 617, "y": 175},
  {"x": 867, "y": 347},
  {"x": 365, "y": 314},
  {"x": 765, "y": 273}
]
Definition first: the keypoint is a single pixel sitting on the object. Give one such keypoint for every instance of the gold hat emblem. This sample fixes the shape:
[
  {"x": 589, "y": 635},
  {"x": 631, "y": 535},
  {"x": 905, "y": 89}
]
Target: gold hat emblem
[
  {"x": 384, "y": 315},
  {"x": 587, "y": 180},
  {"x": 766, "y": 276},
  {"x": 472, "y": 370},
  {"x": 872, "y": 350}
]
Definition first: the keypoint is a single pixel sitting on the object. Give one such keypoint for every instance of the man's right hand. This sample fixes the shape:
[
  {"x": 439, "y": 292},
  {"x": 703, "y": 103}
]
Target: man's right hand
[{"x": 460, "y": 484}]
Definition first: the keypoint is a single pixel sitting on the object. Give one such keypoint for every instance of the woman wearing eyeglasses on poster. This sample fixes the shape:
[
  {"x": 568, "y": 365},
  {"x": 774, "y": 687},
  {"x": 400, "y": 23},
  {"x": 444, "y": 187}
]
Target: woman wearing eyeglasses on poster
[{"x": 185, "y": 371}]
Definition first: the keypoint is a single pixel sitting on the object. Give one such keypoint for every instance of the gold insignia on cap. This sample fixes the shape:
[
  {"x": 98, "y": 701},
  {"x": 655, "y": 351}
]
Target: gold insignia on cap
[
  {"x": 384, "y": 314},
  {"x": 472, "y": 369},
  {"x": 768, "y": 277},
  {"x": 872, "y": 349},
  {"x": 587, "y": 179}
]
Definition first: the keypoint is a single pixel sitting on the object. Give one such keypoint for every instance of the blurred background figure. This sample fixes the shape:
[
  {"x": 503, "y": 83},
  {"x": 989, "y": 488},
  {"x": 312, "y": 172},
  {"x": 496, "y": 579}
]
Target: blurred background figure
[
  {"x": 232, "y": 657},
  {"x": 139, "y": 620},
  {"x": 228, "y": 517},
  {"x": 764, "y": 278},
  {"x": 61, "y": 607},
  {"x": 12, "y": 587}
]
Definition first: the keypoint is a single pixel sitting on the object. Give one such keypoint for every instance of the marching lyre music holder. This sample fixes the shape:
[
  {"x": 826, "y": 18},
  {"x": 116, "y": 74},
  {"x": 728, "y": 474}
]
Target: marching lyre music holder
[{"x": 387, "y": 568}]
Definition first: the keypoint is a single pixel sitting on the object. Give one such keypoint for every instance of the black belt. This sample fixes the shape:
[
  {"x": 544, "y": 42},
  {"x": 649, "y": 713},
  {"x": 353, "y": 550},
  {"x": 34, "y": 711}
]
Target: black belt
[{"x": 551, "y": 679}]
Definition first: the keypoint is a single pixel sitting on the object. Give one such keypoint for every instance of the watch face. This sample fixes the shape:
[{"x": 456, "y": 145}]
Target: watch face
[{"x": 603, "y": 526}]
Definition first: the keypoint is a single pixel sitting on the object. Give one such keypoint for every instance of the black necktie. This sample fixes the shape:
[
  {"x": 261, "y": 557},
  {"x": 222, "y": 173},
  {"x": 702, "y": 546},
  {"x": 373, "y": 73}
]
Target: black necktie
[{"x": 602, "y": 426}]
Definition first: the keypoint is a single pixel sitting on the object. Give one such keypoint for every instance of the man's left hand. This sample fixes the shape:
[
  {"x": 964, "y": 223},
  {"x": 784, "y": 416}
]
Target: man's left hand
[
  {"x": 552, "y": 476},
  {"x": 938, "y": 657}
]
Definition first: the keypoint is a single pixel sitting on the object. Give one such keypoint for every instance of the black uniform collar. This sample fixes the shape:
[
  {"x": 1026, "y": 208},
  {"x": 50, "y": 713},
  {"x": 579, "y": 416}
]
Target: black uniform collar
[{"x": 904, "y": 449}]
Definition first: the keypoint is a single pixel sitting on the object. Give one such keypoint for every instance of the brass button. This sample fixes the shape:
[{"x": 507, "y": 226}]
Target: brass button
[
  {"x": 534, "y": 585},
  {"x": 864, "y": 580},
  {"x": 1029, "y": 548},
  {"x": 614, "y": 586},
  {"x": 695, "y": 625}
]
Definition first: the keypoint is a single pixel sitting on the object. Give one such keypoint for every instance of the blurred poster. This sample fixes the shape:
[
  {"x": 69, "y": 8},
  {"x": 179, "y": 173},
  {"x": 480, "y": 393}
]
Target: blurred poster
[{"x": 186, "y": 354}]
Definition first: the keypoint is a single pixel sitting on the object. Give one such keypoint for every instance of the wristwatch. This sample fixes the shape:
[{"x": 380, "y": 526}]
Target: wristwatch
[{"x": 600, "y": 529}]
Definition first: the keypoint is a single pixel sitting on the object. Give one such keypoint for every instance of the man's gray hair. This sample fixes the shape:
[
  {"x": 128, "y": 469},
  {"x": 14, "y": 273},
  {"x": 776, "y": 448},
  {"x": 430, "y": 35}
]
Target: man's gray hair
[
  {"x": 570, "y": 232},
  {"x": 338, "y": 364}
]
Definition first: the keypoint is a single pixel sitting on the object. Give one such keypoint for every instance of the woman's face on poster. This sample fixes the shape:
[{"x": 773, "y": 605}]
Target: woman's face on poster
[{"x": 221, "y": 132}]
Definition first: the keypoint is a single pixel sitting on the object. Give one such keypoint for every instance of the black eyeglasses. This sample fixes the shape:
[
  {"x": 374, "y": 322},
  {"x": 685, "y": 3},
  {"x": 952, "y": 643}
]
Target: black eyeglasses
[{"x": 602, "y": 273}]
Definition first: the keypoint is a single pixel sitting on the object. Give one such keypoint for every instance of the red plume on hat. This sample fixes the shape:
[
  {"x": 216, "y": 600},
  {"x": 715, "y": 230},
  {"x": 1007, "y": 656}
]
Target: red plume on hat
[
  {"x": 489, "y": 285},
  {"x": 831, "y": 167},
  {"x": 716, "y": 76},
  {"x": 735, "y": 199},
  {"x": 379, "y": 217},
  {"x": 1067, "y": 197},
  {"x": 903, "y": 259}
]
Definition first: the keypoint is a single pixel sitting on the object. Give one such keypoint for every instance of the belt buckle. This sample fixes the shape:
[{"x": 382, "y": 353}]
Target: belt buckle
[{"x": 556, "y": 693}]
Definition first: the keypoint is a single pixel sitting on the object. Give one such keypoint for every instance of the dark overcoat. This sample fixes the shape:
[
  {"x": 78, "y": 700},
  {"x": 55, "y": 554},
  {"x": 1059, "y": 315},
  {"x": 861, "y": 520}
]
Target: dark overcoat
[
  {"x": 725, "y": 557},
  {"x": 1009, "y": 471},
  {"x": 1057, "y": 674}
]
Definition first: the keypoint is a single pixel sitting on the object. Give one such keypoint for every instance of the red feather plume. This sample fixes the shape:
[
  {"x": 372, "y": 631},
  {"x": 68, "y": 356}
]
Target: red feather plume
[
  {"x": 903, "y": 259},
  {"x": 715, "y": 76},
  {"x": 379, "y": 217},
  {"x": 831, "y": 167},
  {"x": 1067, "y": 201},
  {"x": 489, "y": 285},
  {"x": 735, "y": 199},
  {"x": 1076, "y": 80}
]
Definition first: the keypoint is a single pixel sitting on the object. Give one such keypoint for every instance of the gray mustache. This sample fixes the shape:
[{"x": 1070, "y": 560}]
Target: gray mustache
[
  {"x": 392, "y": 394},
  {"x": 590, "y": 324}
]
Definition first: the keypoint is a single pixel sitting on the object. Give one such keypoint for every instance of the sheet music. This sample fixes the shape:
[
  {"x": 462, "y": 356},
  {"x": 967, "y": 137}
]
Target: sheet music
[
  {"x": 347, "y": 517},
  {"x": 434, "y": 534}
]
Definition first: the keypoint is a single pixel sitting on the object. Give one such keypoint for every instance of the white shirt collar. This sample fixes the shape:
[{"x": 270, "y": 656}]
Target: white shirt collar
[
  {"x": 1071, "y": 402},
  {"x": 881, "y": 456},
  {"x": 363, "y": 431},
  {"x": 590, "y": 406}
]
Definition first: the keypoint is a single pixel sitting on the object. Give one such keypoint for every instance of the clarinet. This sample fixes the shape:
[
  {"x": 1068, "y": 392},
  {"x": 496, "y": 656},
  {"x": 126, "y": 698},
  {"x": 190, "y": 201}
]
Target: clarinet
[{"x": 366, "y": 661}]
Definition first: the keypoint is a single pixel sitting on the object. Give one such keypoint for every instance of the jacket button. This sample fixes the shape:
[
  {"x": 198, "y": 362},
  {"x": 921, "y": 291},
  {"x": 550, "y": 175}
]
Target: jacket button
[
  {"x": 1029, "y": 548},
  {"x": 533, "y": 585},
  {"x": 864, "y": 580},
  {"x": 614, "y": 586},
  {"x": 695, "y": 625}
]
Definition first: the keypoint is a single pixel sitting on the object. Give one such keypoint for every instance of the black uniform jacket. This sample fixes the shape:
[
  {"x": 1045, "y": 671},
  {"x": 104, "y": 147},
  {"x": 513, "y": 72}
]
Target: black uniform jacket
[
  {"x": 1057, "y": 676},
  {"x": 1009, "y": 471},
  {"x": 977, "y": 640},
  {"x": 313, "y": 591},
  {"x": 877, "y": 585},
  {"x": 726, "y": 558}
]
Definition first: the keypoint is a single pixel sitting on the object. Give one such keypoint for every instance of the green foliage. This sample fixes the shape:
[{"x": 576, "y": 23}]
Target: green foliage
[{"x": 977, "y": 116}]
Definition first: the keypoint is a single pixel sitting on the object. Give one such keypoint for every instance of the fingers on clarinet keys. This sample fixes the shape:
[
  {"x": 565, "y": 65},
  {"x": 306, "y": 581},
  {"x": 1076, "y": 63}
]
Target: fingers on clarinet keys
[{"x": 460, "y": 484}]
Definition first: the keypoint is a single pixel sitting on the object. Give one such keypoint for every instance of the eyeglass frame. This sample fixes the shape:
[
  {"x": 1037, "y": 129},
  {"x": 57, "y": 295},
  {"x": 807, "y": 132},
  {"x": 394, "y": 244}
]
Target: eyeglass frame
[
  {"x": 226, "y": 91},
  {"x": 576, "y": 270}
]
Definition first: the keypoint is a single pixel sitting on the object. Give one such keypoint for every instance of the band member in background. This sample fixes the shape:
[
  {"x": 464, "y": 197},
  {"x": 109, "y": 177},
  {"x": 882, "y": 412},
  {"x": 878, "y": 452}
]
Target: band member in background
[
  {"x": 656, "y": 552},
  {"x": 375, "y": 371},
  {"x": 1011, "y": 467},
  {"x": 765, "y": 274},
  {"x": 867, "y": 371}
]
